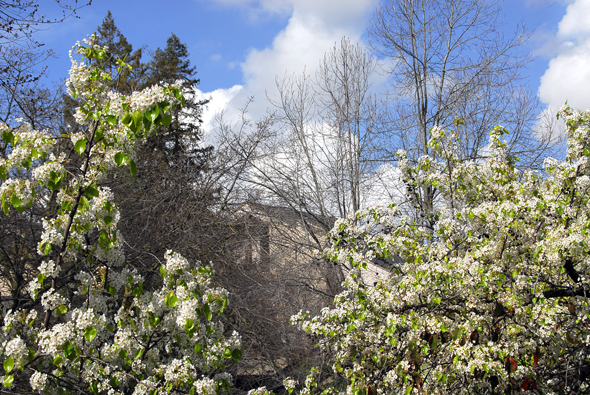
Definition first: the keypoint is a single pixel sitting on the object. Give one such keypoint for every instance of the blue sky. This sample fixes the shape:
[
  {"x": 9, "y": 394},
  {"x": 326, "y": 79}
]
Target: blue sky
[{"x": 239, "y": 46}]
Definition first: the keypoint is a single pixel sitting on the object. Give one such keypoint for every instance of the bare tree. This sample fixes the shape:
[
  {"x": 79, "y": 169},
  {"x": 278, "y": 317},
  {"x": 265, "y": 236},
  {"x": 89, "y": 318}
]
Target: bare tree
[
  {"x": 303, "y": 165},
  {"x": 20, "y": 19},
  {"x": 23, "y": 95},
  {"x": 449, "y": 60},
  {"x": 329, "y": 127},
  {"x": 342, "y": 87}
]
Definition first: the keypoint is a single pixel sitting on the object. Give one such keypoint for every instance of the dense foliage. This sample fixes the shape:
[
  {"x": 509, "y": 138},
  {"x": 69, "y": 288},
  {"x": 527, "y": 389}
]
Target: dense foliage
[
  {"x": 494, "y": 300},
  {"x": 91, "y": 323}
]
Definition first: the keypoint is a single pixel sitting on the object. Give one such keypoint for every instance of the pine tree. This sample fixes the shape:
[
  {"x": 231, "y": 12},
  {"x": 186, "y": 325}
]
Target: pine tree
[
  {"x": 118, "y": 47},
  {"x": 171, "y": 64},
  {"x": 184, "y": 134}
]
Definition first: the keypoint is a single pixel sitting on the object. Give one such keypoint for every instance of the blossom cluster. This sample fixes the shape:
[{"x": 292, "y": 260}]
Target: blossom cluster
[
  {"x": 492, "y": 299},
  {"x": 104, "y": 329}
]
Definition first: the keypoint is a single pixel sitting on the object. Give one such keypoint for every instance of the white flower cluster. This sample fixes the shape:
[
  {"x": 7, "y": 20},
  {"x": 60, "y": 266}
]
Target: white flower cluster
[
  {"x": 51, "y": 299},
  {"x": 259, "y": 391},
  {"x": 49, "y": 269},
  {"x": 17, "y": 349},
  {"x": 289, "y": 384},
  {"x": 37, "y": 381},
  {"x": 104, "y": 328},
  {"x": 43, "y": 173},
  {"x": 205, "y": 386},
  {"x": 175, "y": 262},
  {"x": 489, "y": 299}
]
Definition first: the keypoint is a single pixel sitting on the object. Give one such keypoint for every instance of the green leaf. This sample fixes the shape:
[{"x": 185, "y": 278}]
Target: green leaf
[
  {"x": 227, "y": 353},
  {"x": 137, "y": 118},
  {"x": 8, "y": 380},
  {"x": 138, "y": 354},
  {"x": 107, "y": 206},
  {"x": 3, "y": 173},
  {"x": 46, "y": 248},
  {"x": 8, "y": 364},
  {"x": 171, "y": 300},
  {"x": 84, "y": 204},
  {"x": 54, "y": 180},
  {"x": 15, "y": 201},
  {"x": 138, "y": 290},
  {"x": 162, "y": 271},
  {"x": 27, "y": 162},
  {"x": 99, "y": 134},
  {"x": 93, "y": 388},
  {"x": 80, "y": 146},
  {"x": 207, "y": 311},
  {"x": 155, "y": 320},
  {"x": 127, "y": 119},
  {"x": 198, "y": 348},
  {"x": 108, "y": 220},
  {"x": 121, "y": 158},
  {"x": 91, "y": 191},
  {"x": 122, "y": 354},
  {"x": 164, "y": 107},
  {"x": 58, "y": 360},
  {"x": 132, "y": 168},
  {"x": 167, "y": 120},
  {"x": 112, "y": 290},
  {"x": 236, "y": 355},
  {"x": 103, "y": 239},
  {"x": 112, "y": 120},
  {"x": 189, "y": 324},
  {"x": 69, "y": 351},
  {"x": 61, "y": 310},
  {"x": 90, "y": 333},
  {"x": 152, "y": 114},
  {"x": 147, "y": 124},
  {"x": 8, "y": 137},
  {"x": 110, "y": 328}
]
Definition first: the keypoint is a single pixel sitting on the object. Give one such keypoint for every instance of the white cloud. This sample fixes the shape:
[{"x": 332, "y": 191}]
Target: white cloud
[
  {"x": 568, "y": 74},
  {"x": 312, "y": 29},
  {"x": 218, "y": 102}
]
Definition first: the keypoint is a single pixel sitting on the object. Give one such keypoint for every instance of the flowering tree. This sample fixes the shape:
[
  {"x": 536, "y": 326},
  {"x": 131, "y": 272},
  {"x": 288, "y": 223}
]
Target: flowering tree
[
  {"x": 92, "y": 324},
  {"x": 495, "y": 300}
]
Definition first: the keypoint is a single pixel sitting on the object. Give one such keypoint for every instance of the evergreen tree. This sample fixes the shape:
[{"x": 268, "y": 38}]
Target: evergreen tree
[
  {"x": 118, "y": 47},
  {"x": 184, "y": 133},
  {"x": 171, "y": 64}
]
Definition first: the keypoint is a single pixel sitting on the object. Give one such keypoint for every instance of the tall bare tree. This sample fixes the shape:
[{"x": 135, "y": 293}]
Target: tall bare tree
[
  {"x": 329, "y": 128},
  {"x": 304, "y": 165},
  {"x": 450, "y": 60}
]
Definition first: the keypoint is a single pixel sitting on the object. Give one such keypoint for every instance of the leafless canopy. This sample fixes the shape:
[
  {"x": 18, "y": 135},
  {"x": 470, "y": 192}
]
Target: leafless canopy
[
  {"x": 449, "y": 60},
  {"x": 19, "y": 19}
]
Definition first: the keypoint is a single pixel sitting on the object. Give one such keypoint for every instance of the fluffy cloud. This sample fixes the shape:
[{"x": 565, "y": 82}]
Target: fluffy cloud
[
  {"x": 312, "y": 29},
  {"x": 569, "y": 71}
]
